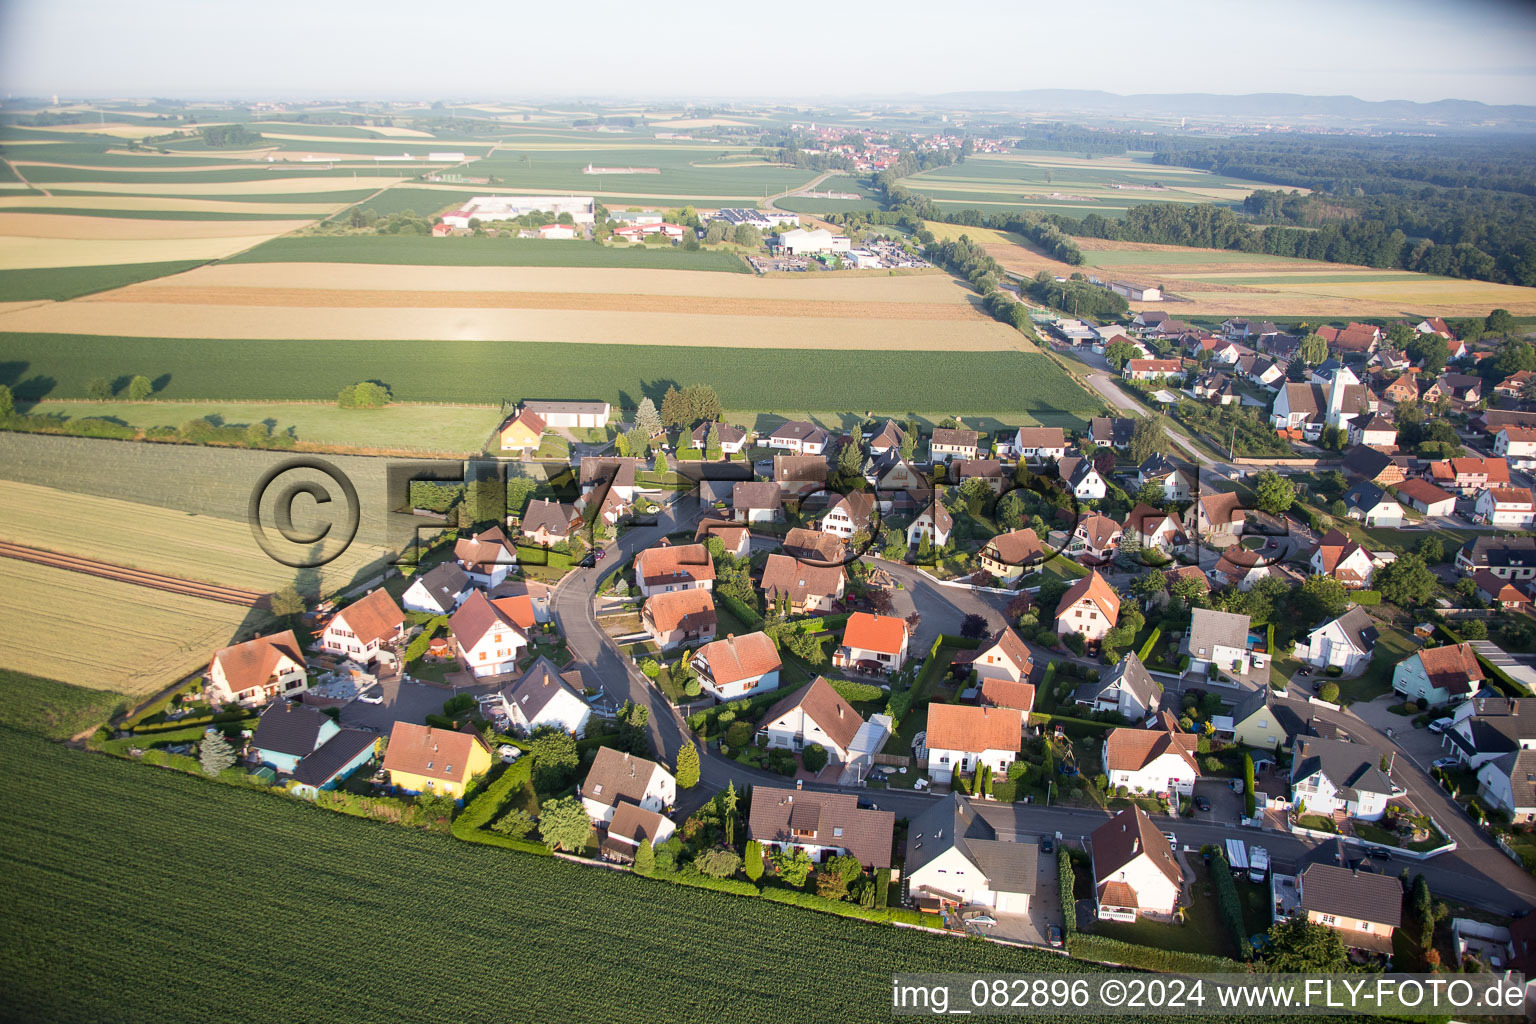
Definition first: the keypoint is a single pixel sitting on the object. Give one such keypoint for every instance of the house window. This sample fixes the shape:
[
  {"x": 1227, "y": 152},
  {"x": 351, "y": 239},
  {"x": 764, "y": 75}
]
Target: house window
[{"x": 1329, "y": 919}]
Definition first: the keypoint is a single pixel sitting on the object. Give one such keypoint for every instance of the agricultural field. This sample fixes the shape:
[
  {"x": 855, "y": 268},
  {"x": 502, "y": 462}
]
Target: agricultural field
[
  {"x": 60, "y": 283},
  {"x": 204, "y": 548},
  {"x": 1025, "y": 385},
  {"x": 444, "y": 430},
  {"x": 1057, "y": 183},
  {"x": 694, "y": 173},
  {"x": 51, "y": 709},
  {"x": 415, "y": 250},
  {"x": 1218, "y": 282},
  {"x": 131, "y": 640},
  {"x": 82, "y": 944},
  {"x": 838, "y": 184}
]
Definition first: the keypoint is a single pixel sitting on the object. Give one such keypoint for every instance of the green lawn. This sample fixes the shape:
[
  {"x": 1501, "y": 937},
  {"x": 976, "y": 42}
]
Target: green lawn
[
  {"x": 61, "y": 366},
  {"x": 60, "y": 283},
  {"x": 81, "y": 944},
  {"x": 1392, "y": 647},
  {"x": 1203, "y": 930},
  {"x": 1316, "y": 822},
  {"x": 416, "y": 250},
  {"x": 53, "y": 709},
  {"x": 425, "y": 428}
]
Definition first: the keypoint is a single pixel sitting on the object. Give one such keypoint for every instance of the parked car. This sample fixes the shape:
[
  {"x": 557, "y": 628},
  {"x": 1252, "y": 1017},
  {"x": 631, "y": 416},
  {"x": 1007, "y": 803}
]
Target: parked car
[
  {"x": 1068, "y": 769},
  {"x": 600, "y": 554},
  {"x": 868, "y": 805},
  {"x": 1444, "y": 762},
  {"x": 1439, "y": 725},
  {"x": 371, "y": 697},
  {"x": 588, "y": 561},
  {"x": 1304, "y": 672},
  {"x": 507, "y": 752},
  {"x": 1202, "y": 804},
  {"x": 1379, "y": 852},
  {"x": 1054, "y": 936},
  {"x": 1173, "y": 840},
  {"x": 1047, "y": 844},
  {"x": 983, "y": 920}
]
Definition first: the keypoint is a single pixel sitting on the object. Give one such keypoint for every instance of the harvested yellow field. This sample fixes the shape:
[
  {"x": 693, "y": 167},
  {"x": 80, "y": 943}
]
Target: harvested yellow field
[
  {"x": 116, "y": 130},
  {"x": 401, "y": 133},
  {"x": 20, "y": 253},
  {"x": 42, "y": 225},
  {"x": 700, "y": 122},
  {"x": 179, "y": 168},
  {"x": 108, "y": 635},
  {"x": 195, "y": 547},
  {"x": 915, "y": 288},
  {"x": 156, "y": 203},
  {"x": 654, "y": 197},
  {"x": 173, "y": 320},
  {"x": 272, "y": 187}
]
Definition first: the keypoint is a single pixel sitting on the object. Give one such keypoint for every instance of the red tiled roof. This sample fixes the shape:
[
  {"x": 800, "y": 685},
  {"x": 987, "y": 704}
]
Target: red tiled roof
[
  {"x": 1093, "y": 587},
  {"x": 744, "y": 657},
  {"x": 886, "y": 634},
  {"x": 970, "y": 728}
]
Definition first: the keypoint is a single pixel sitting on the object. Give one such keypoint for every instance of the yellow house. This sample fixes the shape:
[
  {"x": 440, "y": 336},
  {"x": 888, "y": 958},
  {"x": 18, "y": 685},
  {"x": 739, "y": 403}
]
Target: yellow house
[
  {"x": 421, "y": 759},
  {"x": 522, "y": 432},
  {"x": 1259, "y": 722}
]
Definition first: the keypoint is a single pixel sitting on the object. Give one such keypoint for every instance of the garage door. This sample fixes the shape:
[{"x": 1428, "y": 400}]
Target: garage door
[{"x": 1013, "y": 902}]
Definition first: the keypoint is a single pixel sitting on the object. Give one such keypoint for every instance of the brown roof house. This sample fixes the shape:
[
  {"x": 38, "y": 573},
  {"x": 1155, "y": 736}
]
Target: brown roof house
[
  {"x": 549, "y": 522},
  {"x": 485, "y": 638},
  {"x": 371, "y": 627},
  {"x": 963, "y": 737},
  {"x": 680, "y": 617},
  {"x": 736, "y": 537},
  {"x": 487, "y": 556},
  {"x": 1439, "y": 675},
  {"x": 1095, "y": 540},
  {"x": 669, "y": 567},
  {"x": 815, "y": 713},
  {"x": 1364, "y": 907},
  {"x": 801, "y": 477},
  {"x": 1160, "y": 761},
  {"x": 546, "y": 696},
  {"x": 802, "y": 587},
  {"x": 738, "y": 666},
  {"x": 813, "y": 546},
  {"x": 821, "y": 824},
  {"x": 617, "y": 778},
  {"x": 1002, "y": 656},
  {"x": 1010, "y": 555},
  {"x": 947, "y": 444},
  {"x": 1090, "y": 608},
  {"x": 258, "y": 670},
  {"x": 1135, "y": 871},
  {"x": 756, "y": 501}
]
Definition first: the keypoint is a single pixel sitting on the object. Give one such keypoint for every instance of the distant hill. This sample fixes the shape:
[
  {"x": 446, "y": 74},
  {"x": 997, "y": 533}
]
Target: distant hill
[{"x": 1449, "y": 113}]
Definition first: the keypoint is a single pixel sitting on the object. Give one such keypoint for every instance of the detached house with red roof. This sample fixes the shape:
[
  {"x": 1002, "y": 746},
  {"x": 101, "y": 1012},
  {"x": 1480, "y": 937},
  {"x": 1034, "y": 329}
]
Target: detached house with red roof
[
  {"x": 1467, "y": 476},
  {"x": 1353, "y": 338},
  {"x": 1149, "y": 527},
  {"x": 365, "y": 629},
  {"x": 873, "y": 644},
  {"x": 963, "y": 737},
  {"x": 1507, "y": 507},
  {"x": 679, "y": 617},
  {"x": 1010, "y": 555},
  {"x": 1438, "y": 674},
  {"x": 485, "y": 638},
  {"x": 1135, "y": 872},
  {"x": 487, "y": 556},
  {"x": 668, "y": 568},
  {"x": 258, "y": 670},
  {"x": 738, "y": 666},
  {"x": 803, "y": 587},
  {"x": 1499, "y": 592},
  {"x": 1158, "y": 761},
  {"x": 1095, "y": 540},
  {"x": 1338, "y": 556},
  {"x": 1426, "y": 497},
  {"x": 522, "y": 433},
  {"x": 1090, "y": 608}
]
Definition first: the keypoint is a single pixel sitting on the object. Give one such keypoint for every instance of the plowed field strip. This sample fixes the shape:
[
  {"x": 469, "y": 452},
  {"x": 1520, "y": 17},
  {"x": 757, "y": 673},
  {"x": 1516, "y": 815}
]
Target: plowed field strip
[
  {"x": 314, "y": 298},
  {"x": 138, "y": 577}
]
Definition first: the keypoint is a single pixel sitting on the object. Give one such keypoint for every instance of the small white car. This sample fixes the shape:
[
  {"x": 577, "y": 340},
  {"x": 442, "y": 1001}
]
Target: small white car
[
  {"x": 371, "y": 697},
  {"x": 1439, "y": 725},
  {"x": 983, "y": 920},
  {"x": 507, "y": 752}
]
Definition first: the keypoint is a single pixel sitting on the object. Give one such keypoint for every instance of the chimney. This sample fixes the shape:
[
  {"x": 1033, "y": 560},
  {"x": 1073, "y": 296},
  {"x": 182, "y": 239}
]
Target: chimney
[{"x": 1136, "y": 845}]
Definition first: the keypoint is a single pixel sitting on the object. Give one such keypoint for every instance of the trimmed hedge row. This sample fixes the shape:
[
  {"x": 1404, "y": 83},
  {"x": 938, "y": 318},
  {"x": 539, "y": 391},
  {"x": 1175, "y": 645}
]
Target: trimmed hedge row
[
  {"x": 749, "y": 618},
  {"x": 1151, "y": 958},
  {"x": 470, "y": 823},
  {"x": 1228, "y": 902},
  {"x": 1147, "y": 648},
  {"x": 843, "y": 908},
  {"x": 1067, "y": 879},
  {"x": 854, "y": 692}
]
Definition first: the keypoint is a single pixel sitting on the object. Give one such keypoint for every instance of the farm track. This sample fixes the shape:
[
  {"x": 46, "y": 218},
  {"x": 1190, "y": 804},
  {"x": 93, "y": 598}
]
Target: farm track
[{"x": 138, "y": 577}]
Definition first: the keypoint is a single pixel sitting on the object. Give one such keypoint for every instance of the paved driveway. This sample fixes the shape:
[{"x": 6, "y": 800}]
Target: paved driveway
[
  {"x": 1226, "y": 806},
  {"x": 1420, "y": 744},
  {"x": 403, "y": 702}
]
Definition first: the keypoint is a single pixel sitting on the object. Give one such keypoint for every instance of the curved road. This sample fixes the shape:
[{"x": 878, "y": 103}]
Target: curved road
[{"x": 1477, "y": 873}]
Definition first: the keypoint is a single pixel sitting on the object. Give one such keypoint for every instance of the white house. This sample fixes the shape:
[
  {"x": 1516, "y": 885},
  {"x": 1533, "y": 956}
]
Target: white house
[
  {"x": 1375, "y": 431},
  {"x": 756, "y": 501},
  {"x": 438, "y": 591},
  {"x": 951, "y": 443},
  {"x": 933, "y": 522},
  {"x": 1426, "y": 497},
  {"x": 1507, "y": 507},
  {"x": 571, "y": 414},
  {"x": 486, "y": 639},
  {"x": 1128, "y": 689},
  {"x": 1135, "y": 871},
  {"x": 851, "y": 514},
  {"x": 963, "y": 737},
  {"x": 954, "y": 859},
  {"x": 251, "y": 673},
  {"x": 822, "y": 825},
  {"x": 800, "y": 437},
  {"x": 1517, "y": 444},
  {"x": 543, "y": 696},
  {"x": 668, "y": 568},
  {"x": 800, "y": 242},
  {"x": 1089, "y": 608},
  {"x": 1082, "y": 479},
  {"x": 1036, "y": 444},
  {"x": 738, "y": 666},
  {"x": 1346, "y": 561},
  {"x": 1158, "y": 761},
  {"x": 486, "y": 557},
  {"x": 873, "y": 644},
  {"x": 1508, "y": 783},
  {"x": 1347, "y": 642},
  {"x": 1371, "y": 505},
  {"x": 1439, "y": 675},
  {"x": 1329, "y": 776},
  {"x": 815, "y": 713},
  {"x": 363, "y": 630},
  {"x": 1003, "y": 656},
  {"x": 617, "y": 777},
  {"x": 1177, "y": 483},
  {"x": 632, "y": 825}
]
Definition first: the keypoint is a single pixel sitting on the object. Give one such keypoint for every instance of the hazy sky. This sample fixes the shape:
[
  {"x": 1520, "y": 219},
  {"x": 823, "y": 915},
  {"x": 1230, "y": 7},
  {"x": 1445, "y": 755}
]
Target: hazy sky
[{"x": 713, "y": 49}]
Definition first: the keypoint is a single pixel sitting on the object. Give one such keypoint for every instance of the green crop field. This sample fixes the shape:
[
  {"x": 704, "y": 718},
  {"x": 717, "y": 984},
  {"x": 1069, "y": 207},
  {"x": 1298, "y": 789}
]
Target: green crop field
[
  {"x": 422, "y": 201},
  {"x": 68, "y": 282},
  {"x": 55, "y": 211},
  {"x": 60, "y": 366},
  {"x": 104, "y": 923},
  {"x": 416, "y": 250},
  {"x": 53, "y": 709},
  {"x": 694, "y": 171},
  {"x": 424, "y": 428},
  {"x": 343, "y": 197}
]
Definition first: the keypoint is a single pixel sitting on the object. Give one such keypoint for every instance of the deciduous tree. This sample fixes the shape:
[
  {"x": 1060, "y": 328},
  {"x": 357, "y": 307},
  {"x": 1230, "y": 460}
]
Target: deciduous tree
[
  {"x": 564, "y": 824},
  {"x": 1273, "y": 493},
  {"x": 139, "y": 388}
]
